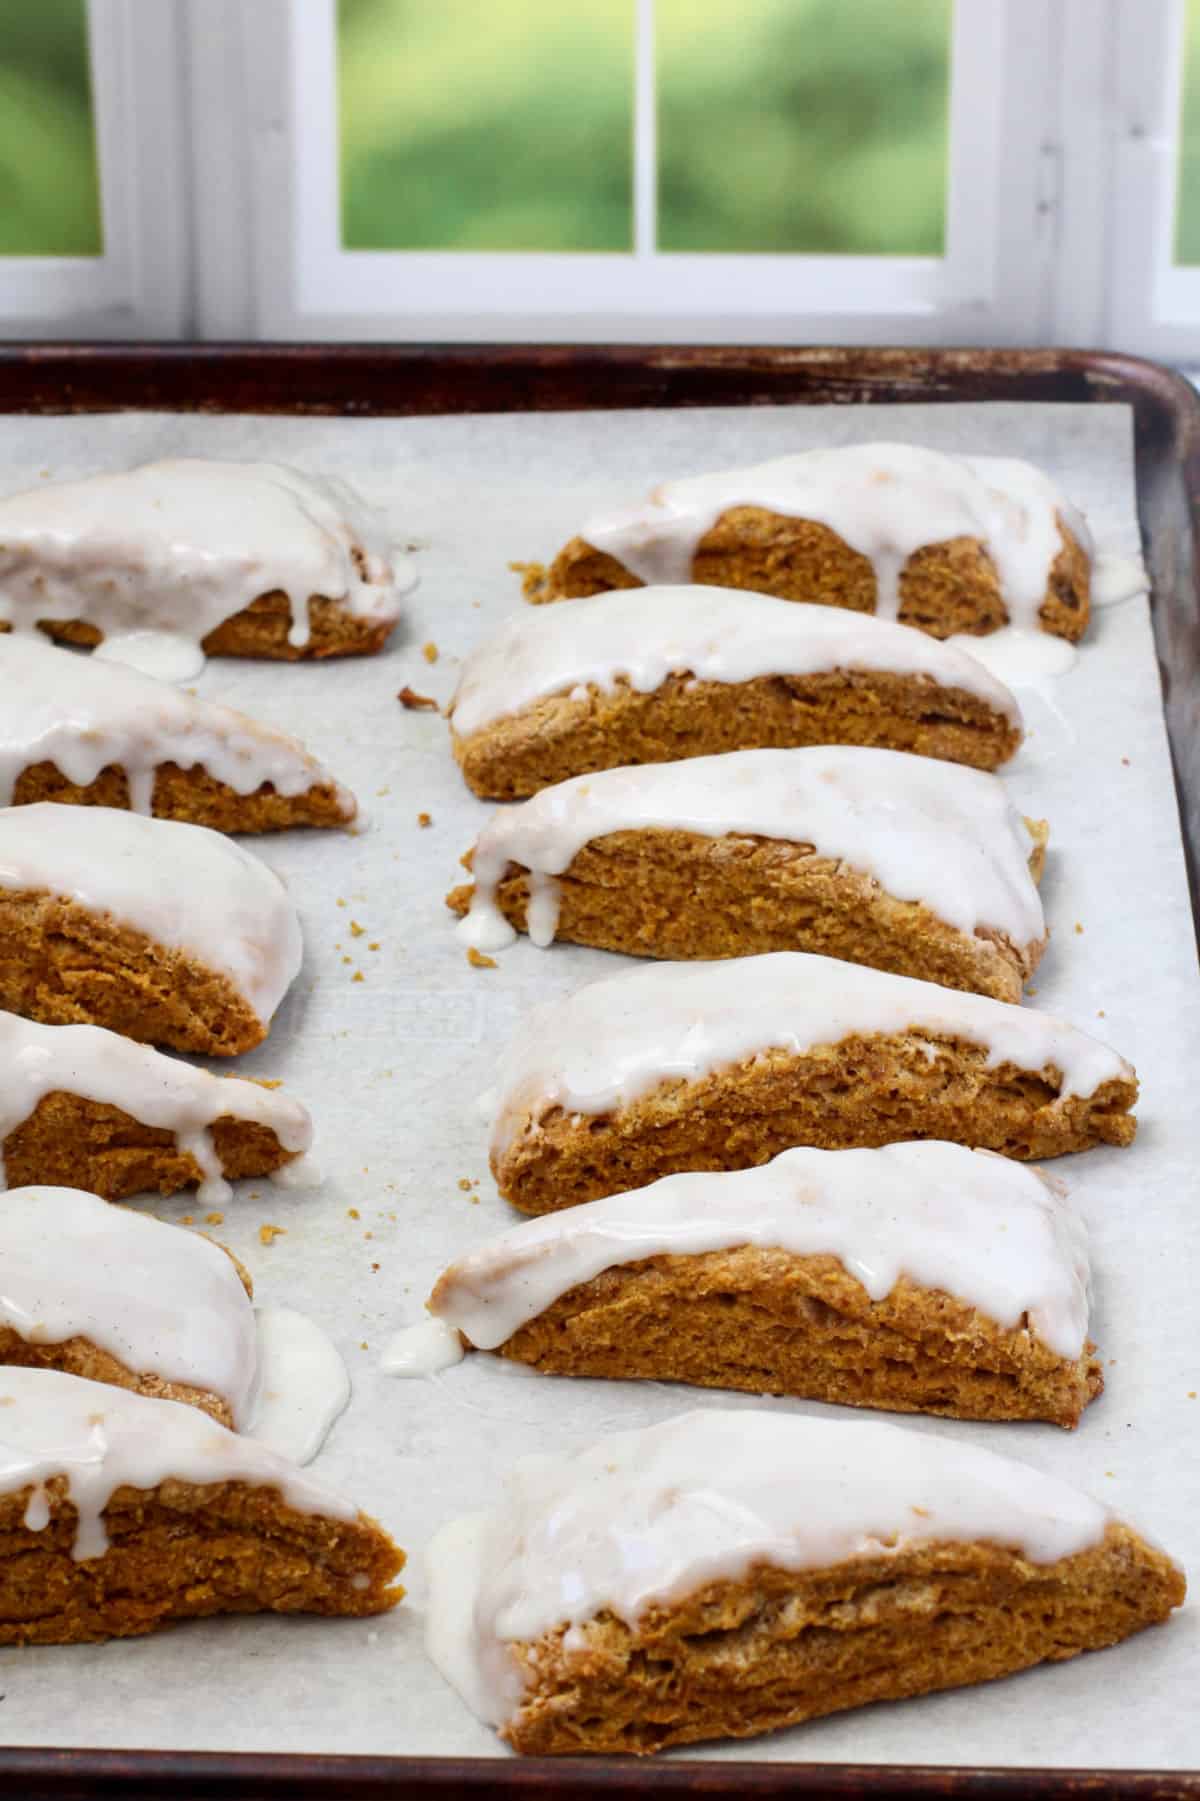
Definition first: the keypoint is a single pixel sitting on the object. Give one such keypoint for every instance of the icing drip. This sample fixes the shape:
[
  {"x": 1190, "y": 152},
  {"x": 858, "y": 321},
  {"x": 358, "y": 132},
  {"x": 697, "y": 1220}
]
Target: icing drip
[
  {"x": 83, "y": 715},
  {"x": 989, "y": 1231},
  {"x": 176, "y": 1097},
  {"x": 302, "y": 1388},
  {"x": 649, "y": 1517},
  {"x": 100, "y": 1439},
  {"x": 614, "y": 1040},
  {"x": 884, "y": 500},
  {"x": 184, "y": 886},
  {"x": 716, "y": 634},
  {"x": 178, "y": 547},
  {"x": 926, "y": 831},
  {"x": 162, "y": 1301},
  {"x": 422, "y": 1350}
]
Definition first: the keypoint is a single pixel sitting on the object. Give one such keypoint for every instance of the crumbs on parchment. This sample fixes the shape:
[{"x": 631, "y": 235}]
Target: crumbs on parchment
[
  {"x": 424, "y": 819},
  {"x": 413, "y": 702},
  {"x": 268, "y": 1234},
  {"x": 430, "y": 651},
  {"x": 477, "y": 960}
]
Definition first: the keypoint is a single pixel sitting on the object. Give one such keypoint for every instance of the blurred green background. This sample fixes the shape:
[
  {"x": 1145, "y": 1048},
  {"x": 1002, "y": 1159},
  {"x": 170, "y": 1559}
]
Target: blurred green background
[
  {"x": 784, "y": 125},
  {"x": 49, "y": 192},
  {"x": 1187, "y": 202}
]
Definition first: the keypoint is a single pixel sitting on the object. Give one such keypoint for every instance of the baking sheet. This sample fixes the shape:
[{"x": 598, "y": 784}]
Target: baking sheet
[{"x": 391, "y": 1066}]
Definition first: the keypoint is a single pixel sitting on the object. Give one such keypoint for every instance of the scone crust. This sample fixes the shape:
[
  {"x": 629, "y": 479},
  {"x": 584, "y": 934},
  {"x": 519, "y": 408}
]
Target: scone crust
[
  {"x": 782, "y": 1647},
  {"x": 767, "y": 1321},
  {"x": 193, "y": 796},
  {"x": 71, "y": 1142},
  {"x": 565, "y": 735},
  {"x": 864, "y": 1090},
  {"x": 682, "y": 896},
  {"x": 944, "y": 588},
  {"x": 261, "y": 630},
  {"x": 63, "y": 965}
]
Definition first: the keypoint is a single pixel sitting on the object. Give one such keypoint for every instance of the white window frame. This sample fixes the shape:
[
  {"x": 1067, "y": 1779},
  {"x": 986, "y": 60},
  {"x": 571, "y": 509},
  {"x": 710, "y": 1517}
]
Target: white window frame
[
  {"x": 138, "y": 286},
  {"x": 992, "y": 286}
]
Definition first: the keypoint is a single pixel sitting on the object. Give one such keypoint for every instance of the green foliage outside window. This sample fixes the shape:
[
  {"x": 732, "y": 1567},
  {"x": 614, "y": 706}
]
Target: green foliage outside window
[{"x": 49, "y": 187}]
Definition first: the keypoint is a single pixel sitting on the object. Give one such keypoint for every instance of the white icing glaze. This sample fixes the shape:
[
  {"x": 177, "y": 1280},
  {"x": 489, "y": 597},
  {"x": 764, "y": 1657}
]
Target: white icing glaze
[
  {"x": 1024, "y": 658},
  {"x": 162, "y": 1301},
  {"x": 102, "y": 1438},
  {"x": 983, "y": 1228},
  {"x": 182, "y": 545},
  {"x": 926, "y": 831},
  {"x": 303, "y": 1385},
  {"x": 651, "y": 1516},
  {"x": 884, "y": 500},
  {"x": 612, "y": 1041},
  {"x": 82, "y": 715},
  {"x": 643, "y": 635},
  {"x": 422, "y": 1350},
  {"x": 164, "y": 655},
  {"x": 185, "y": 887},
  {"x": 1117, "y": 577},
  {"x": 176, "y": 1097}
]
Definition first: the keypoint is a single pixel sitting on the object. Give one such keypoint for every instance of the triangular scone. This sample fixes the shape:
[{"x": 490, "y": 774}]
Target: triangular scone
[
  {"x": 694, "y": 1066},
  {"x": 237, "y": 559},
  {"x": 168, "y": 933},
  {"x": 120, "y": 1513},
  {"x": 85, "y": 1108},
  {"x": 116, "y": 1296},
  {"x": 949, "y": 544},
  {"x": 727, "y": 1573},
  {"x": 900, "y": 862},
  {"x": 655, "y": 674},
  {"x": 921, "y": 1278},
  {"x": 90, "y": 732}
]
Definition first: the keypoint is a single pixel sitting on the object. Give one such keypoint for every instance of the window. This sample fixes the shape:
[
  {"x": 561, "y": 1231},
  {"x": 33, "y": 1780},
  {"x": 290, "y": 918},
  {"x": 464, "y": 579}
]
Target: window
[{"x": 49, "y": 187}]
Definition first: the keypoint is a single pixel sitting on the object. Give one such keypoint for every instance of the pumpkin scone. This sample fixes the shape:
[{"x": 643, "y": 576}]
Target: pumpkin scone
[
  {"x": 89, "y": 732},
  {"x": 648, "y": 676},
  {"x": 233, "y": 559},
  {"x": 120, "y": 1512},
  {"x": 168, "y": 933},
  {"x": 118, "y": 1297},
  {"x": 695, "y": 1066},
  {"x": 726, "y": 1573},
  {"x": 84, "y": 1108},
  {"x": 920, "y": 1278},
  {"x": 947, "y": 544},
  {"x": 900, "y": 862}
]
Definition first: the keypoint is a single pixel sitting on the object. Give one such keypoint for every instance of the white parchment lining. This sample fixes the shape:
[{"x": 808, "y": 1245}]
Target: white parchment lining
[{"x": 391, "y": 1066}]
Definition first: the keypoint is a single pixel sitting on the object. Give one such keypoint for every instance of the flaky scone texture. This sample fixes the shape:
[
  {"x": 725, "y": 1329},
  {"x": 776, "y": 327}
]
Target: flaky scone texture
[
  {"x": 261, "y": 630},
  {"x": 64, "y": 965},
  {"x": 781, "y": 1647},
  {"x": 863, "y": 1090},
  {"x": 565, "y": 735},
  {"x": 767, "y": 1321},
  {"x": 71, "y": 1142},
  {"x": 944, "y": 588},
  {"x": 682, "y": 896},
  {"x": 193, "y": 796},
  {"x": 182, "y": 1551}
]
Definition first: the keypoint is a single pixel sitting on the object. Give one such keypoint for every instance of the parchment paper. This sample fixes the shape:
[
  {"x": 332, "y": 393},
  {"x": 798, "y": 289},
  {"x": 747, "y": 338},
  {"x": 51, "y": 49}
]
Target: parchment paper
[{"x": 391, "y": 1066}]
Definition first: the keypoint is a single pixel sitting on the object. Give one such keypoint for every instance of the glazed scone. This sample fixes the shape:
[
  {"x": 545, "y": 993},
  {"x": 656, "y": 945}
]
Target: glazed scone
[
  {"x": 120, "y": 1513},
  {"x": 168, "y": 933},
  {"x": 697, "y": 1066},
  {"x": 920, "y": 1278},
  {"x": 236, "y": 559},
  {"x": 948, "y": 544},
  {"x": 90, "y": 732},
  {"x": 900, "y": 862},
  {"x": 115, "y": 1296},
  {"x": 727, "y": 1573},
  {"x": 85, "y": 1108},
  {"x": 650, "y": 676}
]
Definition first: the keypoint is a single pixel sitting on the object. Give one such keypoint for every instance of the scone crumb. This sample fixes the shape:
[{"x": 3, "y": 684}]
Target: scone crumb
[
  {"x": 464, "y": 1183},
  {"x": 357, "y": 931},
  {"x": 1191, "y": 1394},
  {"x": 381, "y": 792},
  {"x": 413, "y": 702},
  {"x": 1031, "y": 990},
  {"x": 477, "y": 960},
  {"x": 268, "y": 1234},
  {"x": 341, "y": 902},
  {"x": 1125, "y": 760},
  {"x": 353, "y": 1213},
  {"x": 1079, "y": 928},
  {"x": 358, "y": 975},
  {"x": 1100, "y": 1013},
  {"x": 373, "y": 945},
  {"x": 374, "y": 1269},
  {"x": 424, "y": 819},
  {"x": 187, "y": 1219},
  {"x": 430, "y": 651},
  {"x": 214, "y": 1219},
  {"x": 347, "y": 959}
]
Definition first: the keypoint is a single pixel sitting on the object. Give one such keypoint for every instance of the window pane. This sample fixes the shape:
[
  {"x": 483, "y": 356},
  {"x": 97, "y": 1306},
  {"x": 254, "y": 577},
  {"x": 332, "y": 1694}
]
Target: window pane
[
  {"x": 483, "y": 125},
  {"x": 810, "y": 125},
  {"x": 1187, "y": 200},
  {"x": 49, "y": 185}
]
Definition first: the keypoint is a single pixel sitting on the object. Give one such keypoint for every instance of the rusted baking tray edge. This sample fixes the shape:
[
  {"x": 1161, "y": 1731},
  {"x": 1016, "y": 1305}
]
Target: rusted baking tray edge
[{"x": 384, "y": 380}]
